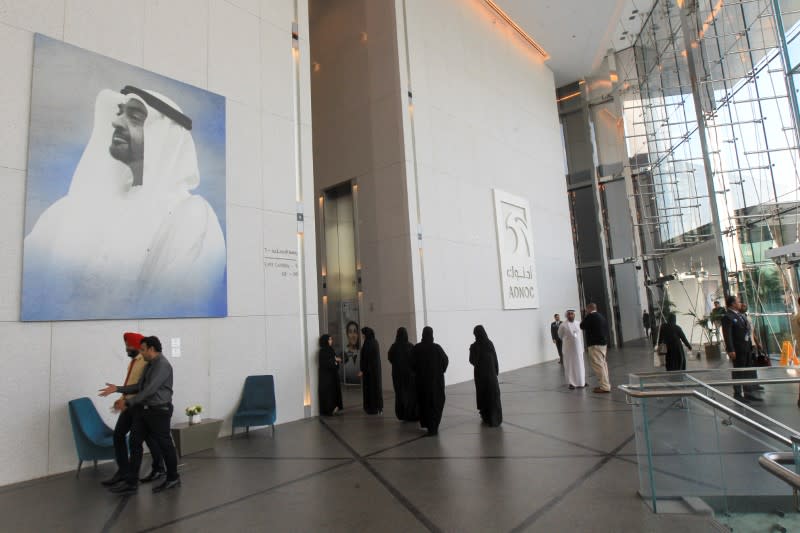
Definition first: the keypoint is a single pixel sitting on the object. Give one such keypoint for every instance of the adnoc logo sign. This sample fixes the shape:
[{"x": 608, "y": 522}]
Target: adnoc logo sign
[{"x": 515, "y": 248}]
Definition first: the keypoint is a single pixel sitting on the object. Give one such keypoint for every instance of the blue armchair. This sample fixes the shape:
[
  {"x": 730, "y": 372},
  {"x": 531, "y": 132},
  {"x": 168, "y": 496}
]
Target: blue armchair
[
  {"x": 257, "y": 407},
  {"x": 94, "y": 440}
]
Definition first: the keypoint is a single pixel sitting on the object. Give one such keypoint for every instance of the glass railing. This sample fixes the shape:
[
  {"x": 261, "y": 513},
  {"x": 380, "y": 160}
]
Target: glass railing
[{"x": 698, "y": 448}]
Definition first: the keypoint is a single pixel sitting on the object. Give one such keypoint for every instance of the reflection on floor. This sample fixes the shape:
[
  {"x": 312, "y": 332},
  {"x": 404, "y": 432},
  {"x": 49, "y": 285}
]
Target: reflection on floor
[{"x": 562, "y": 461}]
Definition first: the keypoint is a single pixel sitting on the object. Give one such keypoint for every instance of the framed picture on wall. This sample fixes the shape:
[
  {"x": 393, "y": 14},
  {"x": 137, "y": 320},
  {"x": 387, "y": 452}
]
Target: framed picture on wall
[{"x": 125, "y": 198}]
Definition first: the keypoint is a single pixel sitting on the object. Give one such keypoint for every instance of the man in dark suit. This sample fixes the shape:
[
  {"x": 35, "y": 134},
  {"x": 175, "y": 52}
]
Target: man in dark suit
[
  {"x": 738, "y": 345},
  {"x": 554, "y": 325}
]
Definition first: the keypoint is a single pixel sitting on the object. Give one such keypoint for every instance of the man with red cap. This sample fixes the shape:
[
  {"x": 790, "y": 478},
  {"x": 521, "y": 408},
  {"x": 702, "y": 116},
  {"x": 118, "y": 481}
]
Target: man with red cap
[{"x": 125, "y": 421}]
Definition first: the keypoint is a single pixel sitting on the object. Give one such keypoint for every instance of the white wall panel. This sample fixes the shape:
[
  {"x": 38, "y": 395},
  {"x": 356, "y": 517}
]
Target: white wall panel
[
  {"x": 41, "y": 16},
  {"x": 175, "y": 44},
  {"x": 25, "y": 401},
  {"x": 12, "y": 208},
  {"x": 16, "y": 47},
  {"x": 285, "y": 362},
  {"x": 278, "y": 162},
  {"x": 245, "y": 261},
  {"x": 245, "y": 187},
  {"x": 486, "y": 114},
  {"x": 233, "y": 53},
  {"x": 237, "y": 348},
  {"x": 97, "y": 26},
  {"x": 278, "y": 12},
  {"x": 277, "y": 69}
]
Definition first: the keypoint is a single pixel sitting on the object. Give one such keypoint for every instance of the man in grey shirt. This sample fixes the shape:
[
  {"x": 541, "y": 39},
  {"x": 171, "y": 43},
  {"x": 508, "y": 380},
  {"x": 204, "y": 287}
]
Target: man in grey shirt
[{"x": 151, "y": 408}]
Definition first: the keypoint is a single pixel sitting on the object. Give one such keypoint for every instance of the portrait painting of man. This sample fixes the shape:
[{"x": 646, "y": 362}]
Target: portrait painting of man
[{"x": 125, "y": 197}]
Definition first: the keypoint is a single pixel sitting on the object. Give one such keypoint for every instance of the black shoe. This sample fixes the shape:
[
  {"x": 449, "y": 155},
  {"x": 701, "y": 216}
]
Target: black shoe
[
  {"x": 125, "y": 489},
  {"x": 153, "y": 476},
  {"x": 572, "y": 387},
  {"x": 113, "y": 480},
  {"x": 753, "y": 398},
  {"x": 168, "y": 484},
  {"x": 758, "y": 387},
  {"x": 740, "y": 398}
]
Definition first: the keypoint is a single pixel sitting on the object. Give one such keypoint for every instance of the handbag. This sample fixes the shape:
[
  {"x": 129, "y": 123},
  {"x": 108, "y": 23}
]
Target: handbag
[
  {"x": 662, "y": 349},
  {"x": 658, "y": 359},
  {"x": 763, "y": 359}
]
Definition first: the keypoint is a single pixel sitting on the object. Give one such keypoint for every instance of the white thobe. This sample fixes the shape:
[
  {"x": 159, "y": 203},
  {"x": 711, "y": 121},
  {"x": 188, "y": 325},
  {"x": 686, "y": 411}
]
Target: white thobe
[{"x": 570, "y": 334}]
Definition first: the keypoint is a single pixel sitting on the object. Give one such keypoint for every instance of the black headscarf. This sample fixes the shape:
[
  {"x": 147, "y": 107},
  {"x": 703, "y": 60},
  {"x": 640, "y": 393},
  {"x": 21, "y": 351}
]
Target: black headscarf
[
  {"x": 323, "y": 341},
  {"x": 427, "y": 334},
  {"x": 402, "y": 336},
  {"x": 368, "y": 333},
  {"x": 480, "y": 335}
]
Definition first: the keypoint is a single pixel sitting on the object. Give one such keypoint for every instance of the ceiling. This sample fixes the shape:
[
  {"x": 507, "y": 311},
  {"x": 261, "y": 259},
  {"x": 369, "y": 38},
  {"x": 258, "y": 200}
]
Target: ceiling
[{"x": 578, "y": 33}]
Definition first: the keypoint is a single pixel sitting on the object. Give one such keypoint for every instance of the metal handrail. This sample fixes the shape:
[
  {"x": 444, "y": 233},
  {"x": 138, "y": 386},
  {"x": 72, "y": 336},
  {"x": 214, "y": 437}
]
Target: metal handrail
[
  {"x": 768, "y": 369},
  {"x": 715, "y": 404},
  {"x": 716, "y": 382},
  {"x": 755, "y": 412},
  {"x": 773, "y": 463}
]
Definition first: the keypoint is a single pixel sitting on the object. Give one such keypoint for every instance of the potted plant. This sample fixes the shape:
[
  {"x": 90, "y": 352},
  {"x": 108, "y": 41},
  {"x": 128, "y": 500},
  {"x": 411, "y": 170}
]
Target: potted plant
[
  {"x": 193, "y": 412},
  {"x": 709, "y": 325}
]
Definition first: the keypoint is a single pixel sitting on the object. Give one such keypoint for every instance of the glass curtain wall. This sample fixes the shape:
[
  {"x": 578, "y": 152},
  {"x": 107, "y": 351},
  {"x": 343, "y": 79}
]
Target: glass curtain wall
[{"x": 709, "y": 108}]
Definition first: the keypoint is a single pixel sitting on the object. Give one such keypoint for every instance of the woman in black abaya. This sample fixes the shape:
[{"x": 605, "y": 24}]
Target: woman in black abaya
[
  {"x": 405, "y": 392},
  {"x": 672, "y": 335},
  {"x": 487, "y": 390},
  {"x": 328, "y": 386},
  {"x": 429, "y": 363},
  {"x": 370, "y": 374}
]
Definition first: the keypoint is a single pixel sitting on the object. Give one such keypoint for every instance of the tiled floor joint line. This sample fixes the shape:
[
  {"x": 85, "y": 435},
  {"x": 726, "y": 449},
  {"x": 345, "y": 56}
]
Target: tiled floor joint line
[
  {"x": 672, "y": 474},
  {"x": 559, "y": 439},
  {"x": 572, "y": 486},
  {"x": 418, "y": 514},
  {"x": 115, "y": 515},
  {"x": 247, "y": 496},
  {"x": 265, "y": 458}
]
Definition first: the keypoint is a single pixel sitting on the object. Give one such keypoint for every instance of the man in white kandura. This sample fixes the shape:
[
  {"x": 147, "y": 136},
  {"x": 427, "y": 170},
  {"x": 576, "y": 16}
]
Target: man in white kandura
[
  {"x": 129, "y": 239},
  {"x": 571, "y": 335}
]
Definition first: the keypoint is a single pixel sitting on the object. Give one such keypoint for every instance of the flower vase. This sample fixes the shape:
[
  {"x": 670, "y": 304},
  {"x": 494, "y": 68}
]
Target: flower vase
[{"x": 194, "y": 419}]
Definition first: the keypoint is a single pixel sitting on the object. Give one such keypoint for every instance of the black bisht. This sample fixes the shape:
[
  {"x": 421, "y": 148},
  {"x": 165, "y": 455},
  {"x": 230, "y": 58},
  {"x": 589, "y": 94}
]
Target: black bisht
[
  {"x": 328, "y": 387},
  {"x": 405, "y": 388},
  {"x": 487, "y": 389},
  {"x": 429, "y": 363},
  {"x": 370, "y": 366}
]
